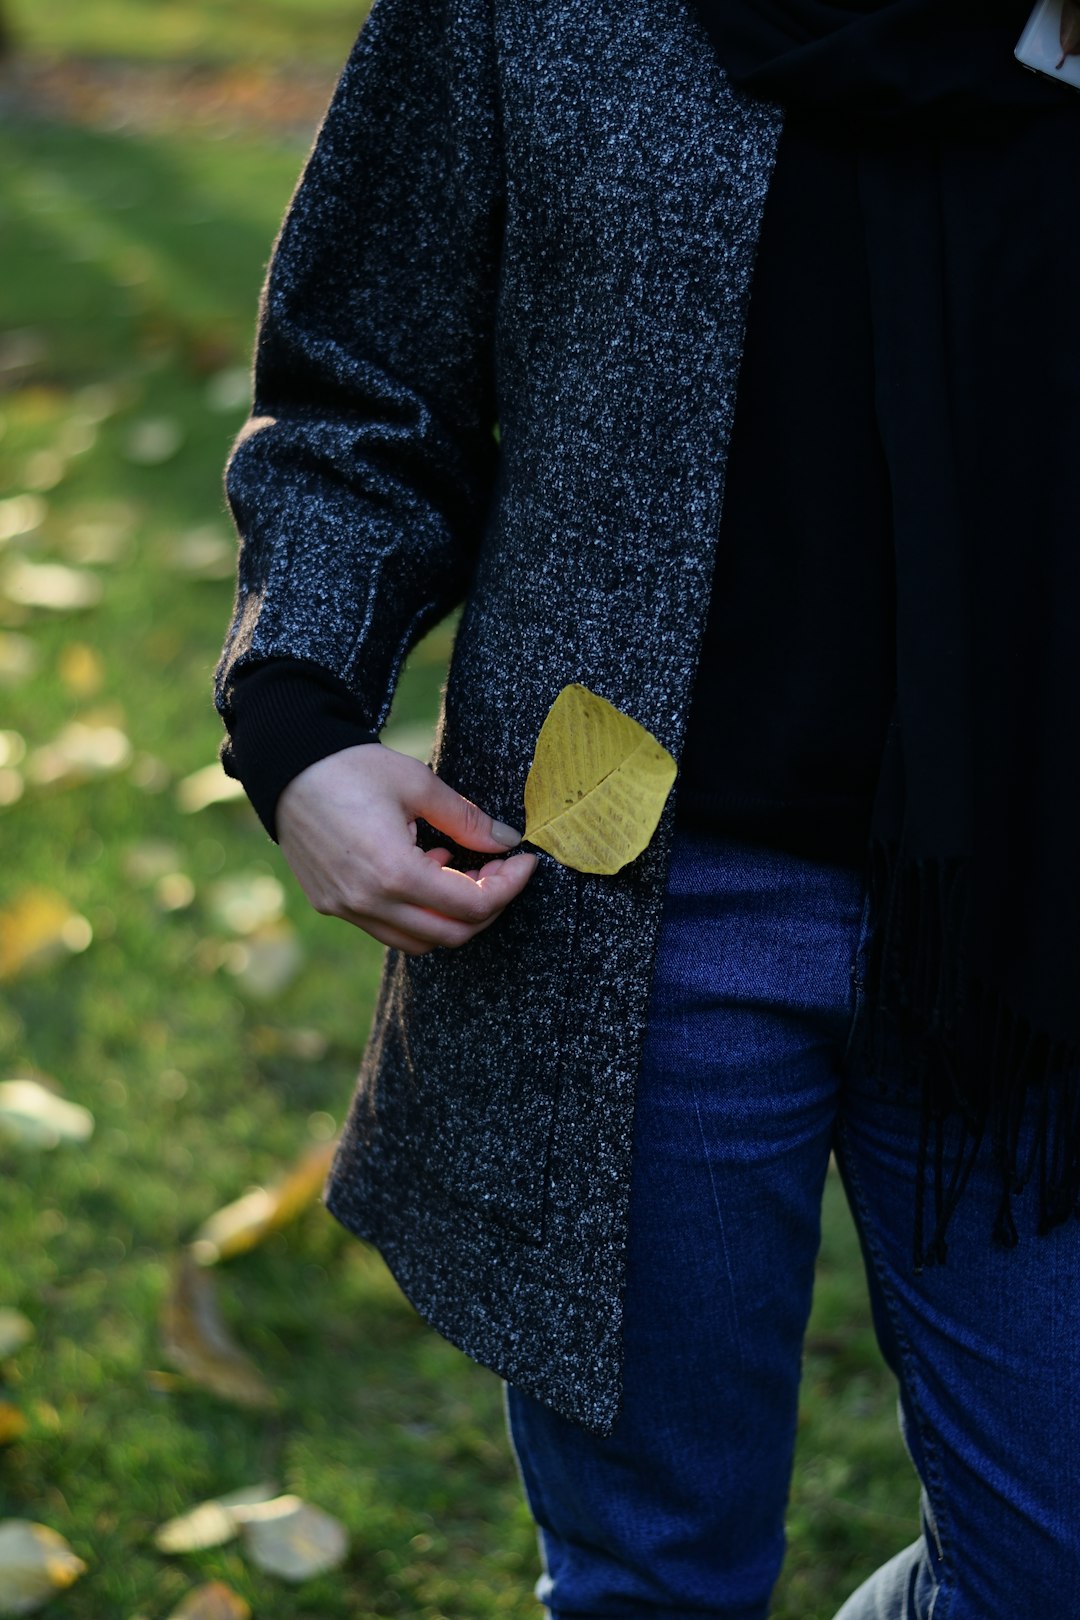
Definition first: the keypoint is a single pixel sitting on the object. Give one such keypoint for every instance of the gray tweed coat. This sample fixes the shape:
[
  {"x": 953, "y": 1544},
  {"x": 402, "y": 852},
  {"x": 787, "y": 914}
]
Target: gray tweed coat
[{"x": 540, "y": 213}]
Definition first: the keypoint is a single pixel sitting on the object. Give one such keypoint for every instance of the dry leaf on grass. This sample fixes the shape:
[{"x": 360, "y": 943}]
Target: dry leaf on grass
[
  {"x": 19, "y": 658},
  {"x": 82, "y": 669},
  {"x": 243, "y": 1224},
  {"x": 210, "y": 1524},
  {"x": 214, "y": 1601},
  {"x": 37, "y": 929},
  {"x": 153, "y": 440},
  {"x": 265, "y": 962},
  {"x": 204, "y": 553},
  {"x": 247, "y": 901},
  {"x": 198, "y": 1343},
  {"x": 78, "y": 753},
  {"x": 15, "y": 1331},
  {"x": 35, "y": 1564},
  {"x": 290, "y": 1538},
  {"x": 21, "y": 514},
  {"x": 597, "y": 784},
  {"x": 33, "y": 1116},
  {"x": 12, "y": 1423},
  {"x": 205, "y": 787},
  {"x": 54, "y": 586}
]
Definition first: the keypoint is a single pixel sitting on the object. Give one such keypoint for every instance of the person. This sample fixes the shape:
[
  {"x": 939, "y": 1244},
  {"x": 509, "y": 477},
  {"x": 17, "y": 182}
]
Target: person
[{"x": 718, "y": 357}]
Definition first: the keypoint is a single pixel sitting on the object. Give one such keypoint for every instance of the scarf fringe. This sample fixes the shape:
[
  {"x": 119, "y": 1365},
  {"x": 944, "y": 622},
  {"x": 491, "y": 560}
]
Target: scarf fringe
[{"x": 977, "y": 1063}]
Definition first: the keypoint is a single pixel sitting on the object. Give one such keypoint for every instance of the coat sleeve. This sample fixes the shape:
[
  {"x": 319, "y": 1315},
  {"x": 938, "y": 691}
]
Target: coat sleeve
[{"x": 360, "y": 483}]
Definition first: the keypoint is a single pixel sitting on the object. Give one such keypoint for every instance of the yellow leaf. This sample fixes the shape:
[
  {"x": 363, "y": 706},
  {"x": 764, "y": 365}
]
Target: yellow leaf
[
  {"x": 35, "y": 1564},
  {"x": 214, "y": 1601},
  {"x": 38, "y": 927},
  {"x": 82, "y": 669},
  {"x": 243, "y": 1224},
  {"x": 290, "y": 1538},
  {"x": 196, "y": 1341},
  {"x": 597, "y": 784},
  {"x": 12, "y": 1423}
]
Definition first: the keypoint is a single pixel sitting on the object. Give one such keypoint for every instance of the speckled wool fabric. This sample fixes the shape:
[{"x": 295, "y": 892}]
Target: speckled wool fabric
[{"x": 545, "y": 213}]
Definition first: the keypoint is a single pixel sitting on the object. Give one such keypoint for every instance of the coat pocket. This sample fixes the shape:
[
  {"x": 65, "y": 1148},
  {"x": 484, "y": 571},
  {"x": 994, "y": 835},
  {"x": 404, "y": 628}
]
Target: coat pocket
[{"x": 460, "y": 1085}]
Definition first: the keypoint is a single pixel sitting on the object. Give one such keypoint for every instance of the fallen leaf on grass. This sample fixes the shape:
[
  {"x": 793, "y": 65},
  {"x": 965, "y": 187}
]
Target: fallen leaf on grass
[
  {"x": 37, "y": 929},
  {"x": 269, "y": 1041},
  {"x": 266, "y": 962},
  {"x": 205, "y": 787},
  {"x": 12, "y": 748},
  {"x": 203, "y": 553},
  {"x": 44, "y": 469},
  {"x": 12, "y": 1423},
  {"x": 82, "y": 669},
  {"x": 101, "y": 534},
  {"x": 246, "y": 902},
  {"x": 33, "y": 1116},
  {"x": 78, "y": 753},
  {"x": 21, "y": 514},
  {"x": 49, "y": 585},
  {"x": 229, "y": 390},
  {"x": 290, "y": 1538},
  {"x": 35, "y": 1564},
  {"x": 151, "y": 859},
  {"x": 198, "y": 1343},
  {"x": 153, "y": 441},
  {"x": 243, "y": 1224},
  {"x": 597, "y": 784},
  {"x": 214, "y": 1601},
  {"x": 174, "y": 892},
  {"x": 19, "y": 658},
  {"x": 15, "y": 1331},
  {"x": 209, "y": 1524}
]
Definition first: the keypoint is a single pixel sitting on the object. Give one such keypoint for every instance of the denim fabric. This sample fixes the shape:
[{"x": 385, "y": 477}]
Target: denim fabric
[{"x": 745, "y": 1086}]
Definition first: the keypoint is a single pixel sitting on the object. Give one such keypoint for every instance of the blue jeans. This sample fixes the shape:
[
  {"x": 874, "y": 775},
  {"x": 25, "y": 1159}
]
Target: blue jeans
[{"x": 743, "y": 1090}]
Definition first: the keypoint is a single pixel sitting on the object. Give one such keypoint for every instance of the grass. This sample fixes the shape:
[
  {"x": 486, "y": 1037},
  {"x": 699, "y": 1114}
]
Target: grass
[
  {"x": 196, "y": 30},
  {"x": 128, "y": 302}
]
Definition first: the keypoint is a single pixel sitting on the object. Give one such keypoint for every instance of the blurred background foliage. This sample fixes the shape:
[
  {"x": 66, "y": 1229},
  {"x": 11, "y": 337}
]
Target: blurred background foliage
[{"x": 156, "y": 968}]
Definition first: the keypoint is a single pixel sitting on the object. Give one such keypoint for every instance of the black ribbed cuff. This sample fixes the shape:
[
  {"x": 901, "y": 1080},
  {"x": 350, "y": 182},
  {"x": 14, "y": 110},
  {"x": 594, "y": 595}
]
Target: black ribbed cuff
[{"x": 285, "y": 715}]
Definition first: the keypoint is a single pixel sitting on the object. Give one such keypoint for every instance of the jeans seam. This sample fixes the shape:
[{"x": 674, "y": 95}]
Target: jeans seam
[
  {"x": 934, "y": 1482},
  {"x": 858, "y": 977}
]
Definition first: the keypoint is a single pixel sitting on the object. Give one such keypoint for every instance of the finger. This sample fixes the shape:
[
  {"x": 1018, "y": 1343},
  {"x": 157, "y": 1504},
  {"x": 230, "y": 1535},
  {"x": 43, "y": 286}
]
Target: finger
[
  {"x": 459, "y": 818},
  {"x": 395, "y": 938},
  {"x": 453, "y": 894},
  {"x": 486, "y": 898},
  {"x": 439, "y": 856}
]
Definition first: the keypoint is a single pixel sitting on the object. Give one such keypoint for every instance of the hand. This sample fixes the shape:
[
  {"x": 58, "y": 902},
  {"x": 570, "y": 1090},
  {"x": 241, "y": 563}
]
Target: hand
[{"x": 347, "y": 827}]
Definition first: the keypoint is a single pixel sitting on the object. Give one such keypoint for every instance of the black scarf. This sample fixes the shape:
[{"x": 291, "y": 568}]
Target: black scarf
[{"x": 969, "y": 179}]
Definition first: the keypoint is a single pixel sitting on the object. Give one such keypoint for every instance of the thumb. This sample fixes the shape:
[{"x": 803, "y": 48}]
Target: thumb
[{"x": 459, "y": 818}]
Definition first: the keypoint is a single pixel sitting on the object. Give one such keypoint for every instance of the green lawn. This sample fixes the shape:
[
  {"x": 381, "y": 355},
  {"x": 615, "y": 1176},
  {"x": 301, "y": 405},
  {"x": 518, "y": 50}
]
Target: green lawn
[
  {"x": 198, "y": 30},
  {"x": 132, "y": 266}
]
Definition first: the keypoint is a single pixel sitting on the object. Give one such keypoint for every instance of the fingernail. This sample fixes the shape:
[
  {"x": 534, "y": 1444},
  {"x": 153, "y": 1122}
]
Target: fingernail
[{"x": 504, "y": 834}]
